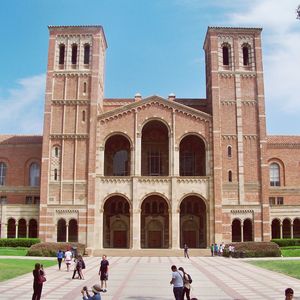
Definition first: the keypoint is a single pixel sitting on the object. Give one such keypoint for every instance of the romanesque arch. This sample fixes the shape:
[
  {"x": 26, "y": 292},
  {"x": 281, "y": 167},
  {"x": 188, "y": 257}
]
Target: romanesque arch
[
  {"x": 236, "y": 230},
  {"x": 247, "y": 230},
  {"x": 296, "y": 228},
  {"x": 22, "y": 228},
  {"x": 286, "y": 228},
  {"x": 116, "y": 222},
  {"x": 155, "y": 222},
  {"x": 33, "y": 228},
  {"x": 61, "y": 230},
  {"x": 73, "y": 231},
  {"x": 275, "y": 229},
  {"x": 155, "y": 149},
  {"x": 11, "y": 228},
  {"x": 193, "y": 222}
]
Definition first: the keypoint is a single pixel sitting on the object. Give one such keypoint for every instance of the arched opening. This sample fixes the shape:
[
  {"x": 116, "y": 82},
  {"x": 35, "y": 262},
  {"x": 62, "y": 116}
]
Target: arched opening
[
  {"x": 192, "y": 156},
  {"x": 61, "y": 59},
  {"x": 33, "y": 229},
  {"x": 117, "y": 156},
  {"x": 236, "y": 230},
  {"x": 22, "y": 228},
  {"x": 229, "y": 151},
  {"x": 286, "y": 229},
  {"x": 246, "y": 55},
  {"x": 275, "y": 229},
  {"x": 247, "y": 231},
  {"x": 193, "y": 222},
  {"x": 2, "y": 173},
  {"x": 155, "y": 149},
  {"x": 74, "y": 54},
  {"x": 155, "y": 223},
  {"x": 11, "y": 228},
  {"x": 61, "y": 230},
  {"x": 274, "y": 174},
  {"x": 73, "y": 231},
  {"x": 86, "y": 57},
  {"x": 229, "y": 176},
  {"x": 34, "y": 174},
  {"x": 116, "y": 223},
  {"x": 83, "y": 116},
  {"x": 296, "y": 228},
  {"x": 225, "y": 52}
]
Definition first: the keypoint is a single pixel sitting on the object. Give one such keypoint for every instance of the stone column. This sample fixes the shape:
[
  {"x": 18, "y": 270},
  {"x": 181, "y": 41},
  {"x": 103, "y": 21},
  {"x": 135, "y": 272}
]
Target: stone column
[
  {"x": 101, "y": 160},
  {"x": 242, "y": 232},
  {"x": 136, "y": 228},
  {"x": 67, "y": 233},
  {"x": 280, "y": 230},
  {"x": 55, "y": 232},
  {"x": 100, "y": 226},
  {"x": 16, "y": 235},
  {"x": 27, "y": 230},
  {"x": 292, "y": 231},
  {"x": 175, "y": 228}
]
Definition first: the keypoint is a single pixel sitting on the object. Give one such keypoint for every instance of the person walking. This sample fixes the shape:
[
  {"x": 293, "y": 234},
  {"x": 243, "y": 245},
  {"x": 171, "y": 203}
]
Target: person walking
[
  {"x": 68, "y": 259},
  {"x": 186, "y": 250},
  {"x": 38, "y": 281},
  {"x": 212, "y": 249},
  {"x": 177, "y": 281},
  {"x": 103, "y": 272},
  {"x": 77, "y": 267},
  {"x": 186, "y": 284},
  {"x": 60, "y": 256}
]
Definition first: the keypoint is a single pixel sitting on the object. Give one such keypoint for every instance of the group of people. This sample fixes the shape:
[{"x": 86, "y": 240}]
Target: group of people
[{"x": 217, "y": 250}]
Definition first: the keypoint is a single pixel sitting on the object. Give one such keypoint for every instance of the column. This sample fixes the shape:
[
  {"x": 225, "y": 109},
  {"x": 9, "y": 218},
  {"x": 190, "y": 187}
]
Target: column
[
  {"x": 242, "y": 232},
  {"x": 67, "y": 232},
  {"x": 280, "y": 230},
  {"x": 292, "y": 231},
  {"x": 16, "y": 235},
  {"x": 99, "y": 222},
  {"x": 55, "y": 232},
  {"x": 175, "y": 229},
  {"x": 136, "y": 228},
  {"x": 27, "y": 229}
]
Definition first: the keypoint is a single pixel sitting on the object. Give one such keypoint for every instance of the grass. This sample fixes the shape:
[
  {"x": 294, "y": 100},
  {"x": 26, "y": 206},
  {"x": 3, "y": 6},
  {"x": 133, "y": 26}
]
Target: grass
[
  {"x": 13, "y": 251},
  {"x": 288, "y": 267},
  {"x": 290, "y": 252},
  {"x": 11, "y": 268}
]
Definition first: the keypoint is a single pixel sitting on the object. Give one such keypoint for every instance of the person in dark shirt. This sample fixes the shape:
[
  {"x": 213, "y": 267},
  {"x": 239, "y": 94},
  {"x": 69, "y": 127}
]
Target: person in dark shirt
[
  {"x": 60, "y": 256},
  {"x": 38, "y": 280},
  {"x": 103, "y": 272}
]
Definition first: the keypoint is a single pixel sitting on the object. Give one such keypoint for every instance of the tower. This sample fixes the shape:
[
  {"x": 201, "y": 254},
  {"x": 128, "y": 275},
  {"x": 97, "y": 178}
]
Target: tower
[
  {"x": 235, "y": 92},
  {"x": 74, "y": 97}
]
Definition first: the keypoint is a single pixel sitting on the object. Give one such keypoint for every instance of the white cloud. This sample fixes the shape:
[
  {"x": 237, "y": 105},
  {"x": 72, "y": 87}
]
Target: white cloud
[{"x": 22, "y": 108}]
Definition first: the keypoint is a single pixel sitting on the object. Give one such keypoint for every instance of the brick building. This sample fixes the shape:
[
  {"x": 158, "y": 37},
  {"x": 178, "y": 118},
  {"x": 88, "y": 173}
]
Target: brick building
[{"x": 151, "y": 173}]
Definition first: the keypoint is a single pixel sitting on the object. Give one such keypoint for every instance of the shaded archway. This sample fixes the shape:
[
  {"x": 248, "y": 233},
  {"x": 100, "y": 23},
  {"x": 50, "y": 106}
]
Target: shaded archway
[
  {"x": 296, "y": 228},
  {"x": 192, "y": 156},
  {"x": 275, "y": 229},
  {"x": 33, "y": 229},
  {"x": 73, "y": 231},
  {"x": 117, "y": 156},
  {"x": 22, "y": 228},
  {"x": 155, "y": 149},
  {"x": 61, "y": 230},
  {"x": 155, "y": 223},
  {"x": 116, "y": 223},
  {"x": 286, "y": 229},
  {"x": 193, "y": 222},
  {"x": 247, "y": 231},
  {"x": 236, "y": 230},
  {"x": 11, "y": 228}
]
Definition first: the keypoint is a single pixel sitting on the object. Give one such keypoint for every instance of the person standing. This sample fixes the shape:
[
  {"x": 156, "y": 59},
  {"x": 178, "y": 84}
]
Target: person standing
[
  {"x": 38, "y": 280},
  {"x": 68, "y": 259},
  {"x": 60, "y": 256},
  {"x": 186, "y": 250},
  {"x": 289, "y": 294},
  {"x": 212, "y": 249},
  {"x": 77, "y": 267},
  {"x": 103, "y": 272},
  {"x": 177, "y": 281},
  {"x": 95, "y": 289},
  {"x": 186, "y": 284}
]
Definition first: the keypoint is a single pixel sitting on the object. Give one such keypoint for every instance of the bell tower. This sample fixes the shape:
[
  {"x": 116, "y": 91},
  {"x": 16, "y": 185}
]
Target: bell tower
[{"x": 74, "y": 98}]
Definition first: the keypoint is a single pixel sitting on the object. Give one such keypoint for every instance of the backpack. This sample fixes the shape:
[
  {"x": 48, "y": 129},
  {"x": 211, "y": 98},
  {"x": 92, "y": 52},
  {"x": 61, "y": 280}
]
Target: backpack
[
  {"x": 83, "y": 264},
  {"x": 190, "y": 278}
]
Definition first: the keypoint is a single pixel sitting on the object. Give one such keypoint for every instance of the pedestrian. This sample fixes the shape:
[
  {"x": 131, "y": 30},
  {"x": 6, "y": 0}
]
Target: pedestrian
[
  {"x": 186, "y": 284},
  {"x": 186, "y": 250},
  {"x": 82, "y": 266},
  {"x": 221, "y": 250},
  {"x": 95, "y": 289},
  {"x": 77, "y": 268},
  {"x": 103, "y": 272},
  {"x": 177, "y": 281},
  {"x": 68, "y": 259},
  {"x": 212, "y": 249},
  {"x": 38, "y": 281},
  {"x": 289, "y": 294},
  {"x": 216, "y": 249},
  {"x": 60, "y": 256}
]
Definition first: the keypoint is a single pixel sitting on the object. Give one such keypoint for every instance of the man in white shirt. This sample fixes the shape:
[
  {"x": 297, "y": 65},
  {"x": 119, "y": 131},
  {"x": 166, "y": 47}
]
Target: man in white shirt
[
  {"x": 68, "y": 259},
  {"x": 177, "y": 281}
]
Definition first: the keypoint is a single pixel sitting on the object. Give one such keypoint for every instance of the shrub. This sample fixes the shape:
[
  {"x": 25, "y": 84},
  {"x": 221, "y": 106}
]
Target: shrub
[
  {"x": 50, "y": 249},
  {"x": 24, "y": 242},
  {"x": 287, "y": 242},
  {"x": 253, "y": 249}
]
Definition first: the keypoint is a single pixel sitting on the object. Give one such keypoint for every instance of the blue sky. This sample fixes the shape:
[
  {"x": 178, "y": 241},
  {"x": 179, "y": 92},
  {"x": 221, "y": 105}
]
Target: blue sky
[{"x": 154, "y": 47}]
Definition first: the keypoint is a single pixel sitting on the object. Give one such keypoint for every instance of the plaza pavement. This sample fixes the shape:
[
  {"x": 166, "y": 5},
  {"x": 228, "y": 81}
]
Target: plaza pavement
[{"x": 147, "y": 278}]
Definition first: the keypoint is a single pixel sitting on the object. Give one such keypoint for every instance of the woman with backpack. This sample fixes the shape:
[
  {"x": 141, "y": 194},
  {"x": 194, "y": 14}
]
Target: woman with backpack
[{"x": 187, "y": 280}]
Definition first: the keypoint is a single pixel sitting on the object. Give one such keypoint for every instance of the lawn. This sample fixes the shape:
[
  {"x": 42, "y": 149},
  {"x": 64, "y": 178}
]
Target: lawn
[
  {"x": 13, "y": 251},
  {"x": 288, "y": 267},
  {"x": 292, "y": 251},
  {"x": 10, "y": 267}
]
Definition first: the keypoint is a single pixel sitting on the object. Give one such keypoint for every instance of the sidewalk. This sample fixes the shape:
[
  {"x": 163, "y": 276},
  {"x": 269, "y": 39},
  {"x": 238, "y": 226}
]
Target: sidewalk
[{"x": 147, "y": 278}]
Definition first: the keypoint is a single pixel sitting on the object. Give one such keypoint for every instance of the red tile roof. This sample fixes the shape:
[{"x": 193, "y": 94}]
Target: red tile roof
[
  {"x": 20, "y": 139},
  {"x": 283, "y": 139}
]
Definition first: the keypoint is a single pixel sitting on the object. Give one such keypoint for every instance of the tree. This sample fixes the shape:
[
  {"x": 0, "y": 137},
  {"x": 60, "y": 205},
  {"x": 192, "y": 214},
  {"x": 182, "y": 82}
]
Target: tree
[{"x": 298, "y": 12}]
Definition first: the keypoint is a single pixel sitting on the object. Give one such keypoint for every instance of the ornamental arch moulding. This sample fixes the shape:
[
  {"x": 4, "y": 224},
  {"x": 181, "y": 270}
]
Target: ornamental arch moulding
[
  {"x": 120, "y": 195},
  {"x": 66, "y": 214},
  {"x": 205, "y": 201},
  {"x": 154, "y": 194},
  {"x": 111, "y": 134},
  {"x": 151, "y": 119}
]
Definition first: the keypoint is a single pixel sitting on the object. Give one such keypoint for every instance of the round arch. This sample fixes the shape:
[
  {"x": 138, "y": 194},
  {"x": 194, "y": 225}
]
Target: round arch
[
  {"x": 145, "y": 122},
  {"x": 11, "y": 228},
  {"x": 155, "y": 194},
  {"x": 286, "y": 228},
  {"x": 281, "y": 165},
  {"x": 61, "y": 230},
  {"x": 22, "y": 228},
  {"x": 247, "y": 230},
  {"x": 73, "y": 230},
  {"x": 275, "y": 228},
  {"x": 236, "y": 230},
  {"x": 33, "y": 228}
]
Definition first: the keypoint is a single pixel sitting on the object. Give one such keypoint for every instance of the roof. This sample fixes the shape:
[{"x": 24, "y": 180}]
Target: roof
[
  {"x": 20, "y": 139},
  {"x": 283, "y": 140}
]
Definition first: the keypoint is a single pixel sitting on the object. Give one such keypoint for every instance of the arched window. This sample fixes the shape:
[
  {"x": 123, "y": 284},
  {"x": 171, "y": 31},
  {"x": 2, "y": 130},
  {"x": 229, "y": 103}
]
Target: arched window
[
  {"x": 84, "y": 88},
  {"x": 246, "y": 55},
  {"x": 73, "y": 231},
  {"x": 33, "y": 229},
  {"x": 61, "y": 60},
  {"x": 225, "y": 52},
  {"x": 11, "y": 228},
  {"x": 274, "y": 174},
  {"x": 229, "y": 176},
  {"x": 34, "y": 174},
  {"x": 61, "y": 230},
  {"x": 56, "y": 152},
  {"x": 55, "y": 174},
  {"x": 86, "y": 58},
  {"x": 83, "y": 116},
  {"x": 74, "y": 54},
  {"x": 2, "y": 173},
  {"x": 229, "y": 151}
]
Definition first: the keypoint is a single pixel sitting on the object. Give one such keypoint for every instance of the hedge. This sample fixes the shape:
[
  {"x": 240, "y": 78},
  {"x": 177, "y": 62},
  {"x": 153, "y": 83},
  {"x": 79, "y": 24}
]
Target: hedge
[
  {"x": 23, "y": 242},
  {"x": 253, "y": 249},
  {"x": 50, "y": 249},
  {"x": 287, "y": 242}
]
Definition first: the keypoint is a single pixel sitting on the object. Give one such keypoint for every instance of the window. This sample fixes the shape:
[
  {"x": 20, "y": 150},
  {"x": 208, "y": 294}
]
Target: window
[
  {"x": 56, "y": 152},
  {"x": 246, "y": 56},
  {"x": 225, "y": 52},
  {"x": 276, "y": 200},
  {"x": 154, "y": 163},
  {"x": 120, "y": 163},
  {"x": 74, "y": 54},
  {"x": 86, "y": 58},
  {"x": 187, "y": 164},
  {"x": 229, "y": 151},
  {"x": 84, "y": 88},
  {"x": 3, "y": 200},
  {"x": 2, "y": 173},
  {"x": 34, "y": 174},
  {"x": 83, "y": 116},
  {"x": 279, "y": 200},
  {"x": 272, "y": 200},
  {"x": 274, "y": 175},
  {"x": 29, "y": 200},
  {"x": 61, "y": 60},
  {"x": 230, "y": 176},
  {"x": 55, "y": 175}
]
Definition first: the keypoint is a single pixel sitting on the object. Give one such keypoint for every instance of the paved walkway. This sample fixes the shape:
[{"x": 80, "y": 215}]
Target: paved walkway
[{"x": 147, "y": 278}]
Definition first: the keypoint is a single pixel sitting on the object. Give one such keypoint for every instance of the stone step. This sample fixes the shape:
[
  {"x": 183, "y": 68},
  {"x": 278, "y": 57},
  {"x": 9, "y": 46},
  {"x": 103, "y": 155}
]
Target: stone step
[{"x": 148, "y": 252}]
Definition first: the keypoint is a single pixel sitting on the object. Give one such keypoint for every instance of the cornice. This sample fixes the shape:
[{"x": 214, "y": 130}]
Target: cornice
[
  {"x": 70, "y": 102},
  {"x": 66, "y": 136},
  {"x": 71, "y": 73},
  {"x": 244, "y": 74}
]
